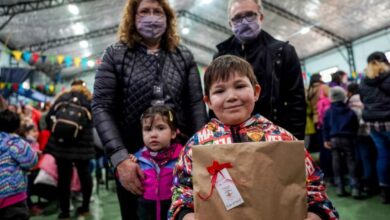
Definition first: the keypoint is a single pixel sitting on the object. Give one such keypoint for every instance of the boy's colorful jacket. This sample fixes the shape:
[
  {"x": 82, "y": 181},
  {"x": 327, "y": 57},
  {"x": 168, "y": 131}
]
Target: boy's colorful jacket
[
  {"x": 255, "y": 129},
  {"x": 158, "y": 177},
  {"x": 16, "y": 158}
]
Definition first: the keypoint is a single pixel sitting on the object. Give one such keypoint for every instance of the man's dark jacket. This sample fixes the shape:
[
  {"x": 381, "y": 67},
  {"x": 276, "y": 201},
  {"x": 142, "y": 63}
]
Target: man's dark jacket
[
  {"x": 278, "y": 71},
  {"x": 123, "y": 90}
]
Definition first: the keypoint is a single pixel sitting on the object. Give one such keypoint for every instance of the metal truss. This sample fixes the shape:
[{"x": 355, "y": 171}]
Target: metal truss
[
  {"x": 201, "y": 20},
  {"x": 43, "y": 46},
  {"x": 30, "y": 6}
]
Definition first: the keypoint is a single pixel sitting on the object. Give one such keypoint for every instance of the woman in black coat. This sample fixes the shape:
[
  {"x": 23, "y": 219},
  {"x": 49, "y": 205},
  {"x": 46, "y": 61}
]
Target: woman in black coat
[
  {"x": 146, "y": 67},
  {"x": 375, "y": 95},
  {"x": 69, "y": 150}
]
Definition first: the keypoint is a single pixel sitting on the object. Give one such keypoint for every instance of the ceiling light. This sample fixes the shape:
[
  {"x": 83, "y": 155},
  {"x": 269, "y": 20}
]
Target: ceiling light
[
  {"x": 205, "y": 2},
  {"x": 84, "y": 44},
  {"x": 26, "y": 85},
  {"x": 78, "y": 28},
  {"x": 185, "y": 31},
  {"x": 305, "y": 30},
  {"x": 91, "y": 63},
  {"x": 326, "y": 74},
  {"x": 87, "y": 54},
  {"x": 73, "y": 9}
]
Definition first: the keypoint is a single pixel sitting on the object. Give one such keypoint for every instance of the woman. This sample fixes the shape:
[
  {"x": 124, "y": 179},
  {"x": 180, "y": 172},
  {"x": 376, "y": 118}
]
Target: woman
[
  {"x": 375, "y": 95},
  {"x": 75, "y": 149},
  {"x": 318, "y": 92},
  {"x": 146, "y": 67}
]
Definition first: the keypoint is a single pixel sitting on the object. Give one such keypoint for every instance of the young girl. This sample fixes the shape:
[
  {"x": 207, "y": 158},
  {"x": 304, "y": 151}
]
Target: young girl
[{"x": 157, "y": 160}]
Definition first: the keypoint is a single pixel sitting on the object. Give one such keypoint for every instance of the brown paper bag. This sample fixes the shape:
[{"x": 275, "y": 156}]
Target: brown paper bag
[{"x": 270, "y": 177}]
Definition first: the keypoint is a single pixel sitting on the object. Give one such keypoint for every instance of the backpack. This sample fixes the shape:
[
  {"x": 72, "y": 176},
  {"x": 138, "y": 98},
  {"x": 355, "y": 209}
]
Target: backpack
[
  {"x": 323, "y": 105},
  {"x": 70, "y": 119}
]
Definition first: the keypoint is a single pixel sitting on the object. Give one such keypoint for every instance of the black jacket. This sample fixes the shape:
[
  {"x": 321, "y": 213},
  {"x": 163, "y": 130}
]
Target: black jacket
[
  {"x": 278, "y": 71},
  {"x": 83, "y": 148},
  {"x": 340, "y": 121},
  {"x": 375, "y": 95},
  {"x": 123, "y": 90}
]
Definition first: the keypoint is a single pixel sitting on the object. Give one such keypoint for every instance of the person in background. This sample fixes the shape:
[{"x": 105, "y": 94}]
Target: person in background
[
  {"x": 275, "y": 63},
  {"x": 340, "y": 130},
  {"x": 365, "y": 149},
  {"x": 375, "y": 95},
  {"x": 146, "y": 67},
  {"x": 70, "y": 144},
  {"x": 231, "y": 91},
  {"x": 339, "y": 78},
  {"x": 316, "y": 92},
  {"x": 16, "y": 159}
]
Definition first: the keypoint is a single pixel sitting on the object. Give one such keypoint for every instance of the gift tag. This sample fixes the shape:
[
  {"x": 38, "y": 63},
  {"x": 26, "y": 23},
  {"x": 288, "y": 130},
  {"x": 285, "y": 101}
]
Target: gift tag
[{"x": 227, "y": 190}]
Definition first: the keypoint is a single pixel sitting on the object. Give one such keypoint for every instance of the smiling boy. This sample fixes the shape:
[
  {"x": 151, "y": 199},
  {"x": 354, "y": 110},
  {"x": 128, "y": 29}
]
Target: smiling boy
[{"x": 231, "y": 90}]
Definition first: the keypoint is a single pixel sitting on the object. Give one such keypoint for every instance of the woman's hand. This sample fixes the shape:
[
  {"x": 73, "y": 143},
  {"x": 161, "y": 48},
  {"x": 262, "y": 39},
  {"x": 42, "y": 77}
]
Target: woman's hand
[
  {"x": 189, "y": 216},
  {"x": 312, "y": 216},
  {"x": 130, "y": 176}
]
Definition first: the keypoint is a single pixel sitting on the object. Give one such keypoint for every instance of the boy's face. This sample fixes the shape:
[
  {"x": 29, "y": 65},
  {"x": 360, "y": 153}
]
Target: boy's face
[{"x": 233, "y": 100}]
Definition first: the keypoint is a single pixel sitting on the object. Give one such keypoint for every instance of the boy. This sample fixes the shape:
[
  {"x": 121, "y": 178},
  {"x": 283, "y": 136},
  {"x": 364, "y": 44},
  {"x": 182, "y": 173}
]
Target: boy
[
  {"x": 16, "y": 158},
  {"x": 340, "y": 130},
  {"x": 231, "y": 90}
]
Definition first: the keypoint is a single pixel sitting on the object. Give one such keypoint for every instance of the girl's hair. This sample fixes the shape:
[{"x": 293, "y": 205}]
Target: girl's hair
[
  {"x": 164, "y": 111},
  {"x": 9, "y": 121},
  {"x": 315, "y": 78},
  {"x": 353, "y": 88},
  {"x": 377, "y": 63},
  {"x": 170, "y": 115},
  {"x": 225, "y": 67},
  {"x": 25, "y": 127},
  {"x": 129, "y": 35}
]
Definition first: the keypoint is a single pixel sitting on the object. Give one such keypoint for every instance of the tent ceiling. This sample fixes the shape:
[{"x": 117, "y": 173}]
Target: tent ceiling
[{"x": 54, "y": 30}]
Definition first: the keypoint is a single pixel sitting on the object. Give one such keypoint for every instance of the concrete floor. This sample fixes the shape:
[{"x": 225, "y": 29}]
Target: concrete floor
[{"x": 105, "y": 207}]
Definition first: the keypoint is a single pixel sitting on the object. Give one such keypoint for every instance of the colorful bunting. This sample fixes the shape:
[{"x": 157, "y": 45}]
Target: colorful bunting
[
  {"x": 35, "y": 58},
  {"x": 77, "y": 61},
  {"x": 17, "y": 54},
  {"x": 68, "y": 61},
  {"x": 60, "y": 59},
  {"x": 26, "y": 56}
]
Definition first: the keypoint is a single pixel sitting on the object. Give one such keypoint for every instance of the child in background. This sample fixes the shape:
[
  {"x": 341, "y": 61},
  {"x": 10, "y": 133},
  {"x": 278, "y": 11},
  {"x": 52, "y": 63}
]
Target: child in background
[
  {"x": 16, "y": 159},
  {"x": 157, "y": 160},
  {"x": 231, "y": 90},
  {"x": 340, "y": 130}
]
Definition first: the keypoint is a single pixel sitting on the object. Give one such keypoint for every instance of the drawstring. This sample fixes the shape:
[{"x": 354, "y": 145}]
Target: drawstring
[{"x": 235, "y": 134}]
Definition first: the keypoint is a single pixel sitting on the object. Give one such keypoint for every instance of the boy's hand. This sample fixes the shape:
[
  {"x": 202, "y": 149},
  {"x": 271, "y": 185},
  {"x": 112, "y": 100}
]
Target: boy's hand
[
  {"x": 191, "y": 216},
  {"x": 312, "y": 216},
  {"x": 130, "y": 176},
  {"x": 328, "y": 145}
]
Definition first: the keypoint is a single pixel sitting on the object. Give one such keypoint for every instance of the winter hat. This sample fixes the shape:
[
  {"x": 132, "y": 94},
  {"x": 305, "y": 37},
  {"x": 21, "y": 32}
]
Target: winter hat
[
  {"x": 337, "y": 94},
  {"x": 378, "y": 56}
]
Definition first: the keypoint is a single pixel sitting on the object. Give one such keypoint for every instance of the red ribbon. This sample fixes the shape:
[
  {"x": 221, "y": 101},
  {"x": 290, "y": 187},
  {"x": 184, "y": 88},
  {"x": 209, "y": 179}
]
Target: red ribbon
[{"x": 213, "y": 171}]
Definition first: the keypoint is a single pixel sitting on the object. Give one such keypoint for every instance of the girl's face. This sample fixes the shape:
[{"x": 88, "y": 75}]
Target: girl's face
[
  {"x": 156, "y": 132},
  {"x": 33, "y": 133}
]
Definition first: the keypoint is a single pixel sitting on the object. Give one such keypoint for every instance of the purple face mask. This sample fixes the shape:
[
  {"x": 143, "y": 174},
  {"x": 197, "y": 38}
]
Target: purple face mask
[
  {"x": 246, "y": 31},
  {"x": 151, "y": 27}
]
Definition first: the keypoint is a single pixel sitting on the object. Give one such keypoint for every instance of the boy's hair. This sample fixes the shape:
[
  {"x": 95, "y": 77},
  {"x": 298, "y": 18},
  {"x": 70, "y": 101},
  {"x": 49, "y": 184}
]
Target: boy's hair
[
  {"x": 224, "y": 67},
  {"x": 9, "y": 121},
  {"x": 26, "y": 127},
  {"x": 164, "y": 111}
]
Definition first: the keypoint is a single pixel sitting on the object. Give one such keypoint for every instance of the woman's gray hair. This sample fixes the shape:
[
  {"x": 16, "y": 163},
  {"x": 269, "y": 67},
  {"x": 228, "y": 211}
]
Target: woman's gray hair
[{"x": 258, "y": 2}]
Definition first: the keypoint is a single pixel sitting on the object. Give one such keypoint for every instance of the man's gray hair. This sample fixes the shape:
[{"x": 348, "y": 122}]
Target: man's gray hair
[{"x": 258, "y": 2}]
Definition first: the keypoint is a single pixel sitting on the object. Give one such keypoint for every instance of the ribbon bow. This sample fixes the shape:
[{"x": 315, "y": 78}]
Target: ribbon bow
[{"x": 213, "y": 170}]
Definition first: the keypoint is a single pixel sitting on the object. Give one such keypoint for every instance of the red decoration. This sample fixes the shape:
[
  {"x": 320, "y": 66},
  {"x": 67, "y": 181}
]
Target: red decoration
[
  {"x": 35, "y": 57},
  {"x": 213, "y": 171}
]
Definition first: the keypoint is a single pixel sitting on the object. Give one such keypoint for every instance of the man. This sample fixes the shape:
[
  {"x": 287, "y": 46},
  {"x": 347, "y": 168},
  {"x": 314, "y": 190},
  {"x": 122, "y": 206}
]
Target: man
[{"x": 275, "y": 64}]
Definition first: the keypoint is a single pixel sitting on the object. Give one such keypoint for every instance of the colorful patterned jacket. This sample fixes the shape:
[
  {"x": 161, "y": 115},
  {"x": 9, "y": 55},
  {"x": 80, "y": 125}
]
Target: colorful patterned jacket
[
  {"x": 16, "y": 158},
  {"x": 255, "y": 129}
]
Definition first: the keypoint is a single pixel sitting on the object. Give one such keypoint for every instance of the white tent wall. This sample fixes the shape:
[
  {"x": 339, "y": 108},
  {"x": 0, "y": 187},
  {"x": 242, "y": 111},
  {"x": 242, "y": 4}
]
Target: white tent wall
[{"x": 363, "y": 47}]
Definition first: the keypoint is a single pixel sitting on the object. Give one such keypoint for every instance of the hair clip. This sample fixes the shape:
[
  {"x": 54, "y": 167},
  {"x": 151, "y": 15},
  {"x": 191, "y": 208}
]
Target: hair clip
[{"x": 170, "y": 116}]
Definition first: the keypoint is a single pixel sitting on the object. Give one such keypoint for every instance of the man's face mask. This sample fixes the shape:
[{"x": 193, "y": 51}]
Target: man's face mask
[
  {"x": 151, "y": 27},
  {"x": 246, "y": 27}
]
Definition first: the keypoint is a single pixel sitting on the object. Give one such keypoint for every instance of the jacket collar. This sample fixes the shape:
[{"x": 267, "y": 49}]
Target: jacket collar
[{"x": 253, "y": 120}]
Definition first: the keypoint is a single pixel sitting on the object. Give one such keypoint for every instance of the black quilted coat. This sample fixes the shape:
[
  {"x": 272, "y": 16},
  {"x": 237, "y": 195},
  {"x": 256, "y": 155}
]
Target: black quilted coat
[{"x": 123, "y": 90}]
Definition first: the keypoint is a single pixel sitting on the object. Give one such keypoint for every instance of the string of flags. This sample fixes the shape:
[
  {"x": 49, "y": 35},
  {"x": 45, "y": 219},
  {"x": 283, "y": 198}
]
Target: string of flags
[
  {"x": 48, "y": 89},
  {"x": 354, "y": 75},
  {"x": 34, "y": 57}
]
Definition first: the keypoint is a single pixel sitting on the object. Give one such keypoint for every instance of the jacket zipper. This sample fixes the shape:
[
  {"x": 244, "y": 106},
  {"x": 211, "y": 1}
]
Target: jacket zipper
[{"x": 235, "y": 134}]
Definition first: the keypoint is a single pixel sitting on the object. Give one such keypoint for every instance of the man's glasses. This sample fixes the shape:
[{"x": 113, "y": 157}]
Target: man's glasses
[
  {"x": 248, "y": 16},
  {"x": 146, "y": 12}
]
